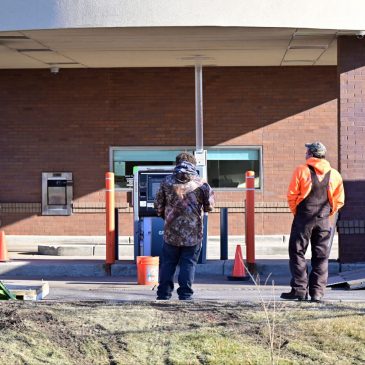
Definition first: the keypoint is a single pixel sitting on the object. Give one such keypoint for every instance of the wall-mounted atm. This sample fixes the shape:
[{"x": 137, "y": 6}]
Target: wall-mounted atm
[
  {"x": 57, "y": 191},
  {"x": 148, "y": 227}
]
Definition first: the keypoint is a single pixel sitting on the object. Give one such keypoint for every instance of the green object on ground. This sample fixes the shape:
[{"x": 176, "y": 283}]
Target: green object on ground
[{"x": 5, "y": 293}]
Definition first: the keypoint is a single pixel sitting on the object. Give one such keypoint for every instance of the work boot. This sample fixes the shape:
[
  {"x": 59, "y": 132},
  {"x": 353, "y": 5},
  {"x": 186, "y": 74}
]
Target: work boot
[
  {"x": 293, "y": 296},
  {"x": 186, "y": 298},
  {"x": 163, "y": 298},
  {"x": 316, "y": 298}
]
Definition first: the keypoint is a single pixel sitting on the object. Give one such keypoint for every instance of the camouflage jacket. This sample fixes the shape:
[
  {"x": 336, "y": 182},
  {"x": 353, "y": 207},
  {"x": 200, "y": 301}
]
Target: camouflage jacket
[{"x": 181, "y": 201}]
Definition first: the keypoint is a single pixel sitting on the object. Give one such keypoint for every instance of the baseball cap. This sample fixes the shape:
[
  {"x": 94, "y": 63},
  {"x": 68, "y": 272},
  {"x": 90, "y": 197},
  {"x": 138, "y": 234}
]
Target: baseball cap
[{"x": 317, "y": 149}]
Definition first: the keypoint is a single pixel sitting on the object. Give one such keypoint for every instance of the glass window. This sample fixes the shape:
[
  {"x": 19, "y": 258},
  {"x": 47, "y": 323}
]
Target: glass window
[
  {"x": 125, "y": 159},
  {"x": 226, "y": 167}
]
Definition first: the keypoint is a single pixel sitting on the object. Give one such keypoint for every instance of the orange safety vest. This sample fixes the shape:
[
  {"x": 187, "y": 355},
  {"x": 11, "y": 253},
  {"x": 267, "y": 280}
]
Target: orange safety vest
[{"x": 301, "y": 184}]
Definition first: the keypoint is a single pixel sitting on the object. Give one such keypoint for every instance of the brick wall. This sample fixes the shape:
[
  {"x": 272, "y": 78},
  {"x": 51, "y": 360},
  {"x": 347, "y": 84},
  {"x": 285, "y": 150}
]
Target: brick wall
[
  {"x": 351, "y": 80},
  {"x": 68, "y": 121}
]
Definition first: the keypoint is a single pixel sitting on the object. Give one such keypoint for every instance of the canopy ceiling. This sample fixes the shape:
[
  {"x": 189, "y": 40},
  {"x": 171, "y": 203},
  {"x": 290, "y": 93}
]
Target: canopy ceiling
[{"x": 167, "y": 47}]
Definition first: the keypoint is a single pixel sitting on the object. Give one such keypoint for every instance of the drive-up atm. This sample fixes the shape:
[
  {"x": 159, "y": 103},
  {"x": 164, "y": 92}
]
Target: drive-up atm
[{"x": 148, "y": 227}]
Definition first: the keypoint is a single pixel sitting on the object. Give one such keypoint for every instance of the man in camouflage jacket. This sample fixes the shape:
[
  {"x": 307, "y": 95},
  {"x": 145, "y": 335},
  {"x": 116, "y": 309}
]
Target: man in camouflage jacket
[{"x": 181, "y": 201}]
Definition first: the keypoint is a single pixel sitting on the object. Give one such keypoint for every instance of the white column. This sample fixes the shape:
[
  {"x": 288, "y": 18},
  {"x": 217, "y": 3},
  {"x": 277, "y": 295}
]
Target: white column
[
  {"x": 200, "y": 154},
  {"x": 199, "y": 108}
]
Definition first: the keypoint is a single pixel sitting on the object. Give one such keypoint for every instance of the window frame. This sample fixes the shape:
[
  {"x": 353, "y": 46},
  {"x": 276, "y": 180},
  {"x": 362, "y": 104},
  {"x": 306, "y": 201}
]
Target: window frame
[{"x": 192, "y": 148}]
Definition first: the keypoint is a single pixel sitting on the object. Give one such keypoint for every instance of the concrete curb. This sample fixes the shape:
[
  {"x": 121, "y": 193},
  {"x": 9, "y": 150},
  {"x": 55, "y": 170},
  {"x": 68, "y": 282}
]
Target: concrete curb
[
  {"x": 43, "y": 270},
  {"x": 127, "y": 251},
  {"x": 70, "y": 268},
  {"x": 66, "y": 250},
  {"x": 35, "y": 240}
]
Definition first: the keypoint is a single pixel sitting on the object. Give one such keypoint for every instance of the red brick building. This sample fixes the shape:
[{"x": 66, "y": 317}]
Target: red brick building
[{"x": 77, "y": 119}]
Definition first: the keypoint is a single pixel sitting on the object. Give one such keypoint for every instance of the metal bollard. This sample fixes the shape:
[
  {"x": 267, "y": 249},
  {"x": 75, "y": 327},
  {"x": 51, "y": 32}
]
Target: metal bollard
[
  {"x": 250, "y": 221},
  {"x": 224, "y": 233},
  {"x": 116, "y": 240},
  {"x": 203, "y": 252},
  {"x": 110, "y": 221}
]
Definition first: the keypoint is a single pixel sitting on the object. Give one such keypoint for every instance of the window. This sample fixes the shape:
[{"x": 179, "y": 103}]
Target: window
[
  {"x": 124, "y": 159},
  {"x": 226, "y": 166}
]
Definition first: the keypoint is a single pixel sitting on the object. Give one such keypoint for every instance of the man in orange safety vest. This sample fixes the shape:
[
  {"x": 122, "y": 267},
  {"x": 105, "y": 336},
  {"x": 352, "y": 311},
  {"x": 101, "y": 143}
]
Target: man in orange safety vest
[{"x": 315, "y": 193}]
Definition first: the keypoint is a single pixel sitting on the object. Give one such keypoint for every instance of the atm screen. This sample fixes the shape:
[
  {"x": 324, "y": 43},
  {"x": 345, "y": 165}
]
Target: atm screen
[
  {"x": 149, "y": 183},
  {"x": 153, "y": 184},
  {"x": 153, "y": 187}
]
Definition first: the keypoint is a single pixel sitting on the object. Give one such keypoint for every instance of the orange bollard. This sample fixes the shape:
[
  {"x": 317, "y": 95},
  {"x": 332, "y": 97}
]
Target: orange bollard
[
  {"x": 3, "y": 250},
  {"x": 110, "y": 220},
  {"x": 238, "y": 271},
  {"x": 250, "y": 221}
]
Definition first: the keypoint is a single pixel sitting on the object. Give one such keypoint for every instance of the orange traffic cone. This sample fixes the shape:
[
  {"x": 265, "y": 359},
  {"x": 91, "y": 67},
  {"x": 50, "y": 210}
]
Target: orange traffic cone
[
  {"x": 3, "y": 250},
  {"x": 238, "y": 272}
]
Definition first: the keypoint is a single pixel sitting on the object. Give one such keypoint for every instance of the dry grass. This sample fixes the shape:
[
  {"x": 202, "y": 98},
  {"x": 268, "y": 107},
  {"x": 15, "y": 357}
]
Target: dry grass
[{"x": 180, "y": 333}]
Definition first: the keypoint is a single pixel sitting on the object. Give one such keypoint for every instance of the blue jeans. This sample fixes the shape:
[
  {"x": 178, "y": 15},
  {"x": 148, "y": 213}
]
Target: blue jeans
[{"x": 186, "y": 258}]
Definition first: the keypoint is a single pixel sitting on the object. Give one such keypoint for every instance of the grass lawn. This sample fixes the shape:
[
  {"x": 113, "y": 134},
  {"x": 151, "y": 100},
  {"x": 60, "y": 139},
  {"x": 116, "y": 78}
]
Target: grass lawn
[{"x": 181, "y": 333}]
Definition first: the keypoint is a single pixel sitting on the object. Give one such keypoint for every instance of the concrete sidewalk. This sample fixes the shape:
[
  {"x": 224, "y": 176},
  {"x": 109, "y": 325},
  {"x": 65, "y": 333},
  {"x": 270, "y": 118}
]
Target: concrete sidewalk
[
  {"x": 76, "y": 267},
  {"x": 85, "y": 256},
  {"x": 212, "y": 287},
  {"x": 84, "y": 277},
  {"x": 271, "y": 257},
  {"x": 79, "y": 279},
  {"x": 266, "y": 247}
]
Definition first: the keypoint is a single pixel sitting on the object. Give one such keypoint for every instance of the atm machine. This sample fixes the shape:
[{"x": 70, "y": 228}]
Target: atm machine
[
  {"x": 148, "y": 227},
  {"x": 57, "y": 191}
]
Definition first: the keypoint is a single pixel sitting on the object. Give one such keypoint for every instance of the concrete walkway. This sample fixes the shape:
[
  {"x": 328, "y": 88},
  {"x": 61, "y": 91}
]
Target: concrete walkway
[
  {"x": 212, "y": 287},
  {"x": 75, "y": 267},
  {"x": 266, "y": 247},
  {"x": 73, "y": 278}
]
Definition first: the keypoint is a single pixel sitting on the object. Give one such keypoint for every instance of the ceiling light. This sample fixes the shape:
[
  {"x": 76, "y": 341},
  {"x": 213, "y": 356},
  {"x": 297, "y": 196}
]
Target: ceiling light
[
  {"x": 34, "y": 50},
  {"x": 62, "y": 63},
  {"x": 309, "y": 47},
  {"x": 360, "y": 34},
  {"x": 197, "y": 58},
  {"x": 298, "y": 60},
  {"x": 12, "y": 37}
]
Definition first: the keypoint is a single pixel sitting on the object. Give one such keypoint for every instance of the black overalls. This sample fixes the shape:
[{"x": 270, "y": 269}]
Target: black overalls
[{"x": 311, "y": 223}]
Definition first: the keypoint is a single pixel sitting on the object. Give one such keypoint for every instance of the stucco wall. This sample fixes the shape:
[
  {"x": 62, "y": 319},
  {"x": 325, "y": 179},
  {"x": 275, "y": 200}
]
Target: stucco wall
[{"x": 54, "y": 14}]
